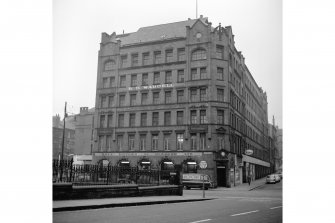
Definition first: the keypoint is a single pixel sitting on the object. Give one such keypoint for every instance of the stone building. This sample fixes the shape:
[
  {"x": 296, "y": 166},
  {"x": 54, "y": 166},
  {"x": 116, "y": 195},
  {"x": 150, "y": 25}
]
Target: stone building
[
  {"x": 84, "y": 126},
  {"x": 57, "y": 137},
  {"x": 169, "y": 96}
]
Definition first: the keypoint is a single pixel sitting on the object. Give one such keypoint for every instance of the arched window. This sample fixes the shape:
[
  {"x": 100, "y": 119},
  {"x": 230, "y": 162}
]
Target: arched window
[
  {"x": 109, "y": 65},
  {"x": 199, "y": 54}
]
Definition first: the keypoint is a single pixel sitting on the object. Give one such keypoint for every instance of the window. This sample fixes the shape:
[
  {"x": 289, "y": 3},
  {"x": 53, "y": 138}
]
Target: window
[
  {"x": 110, "y": 101},
  {"x": 109, "y": 65},
  {"x": 105, "y": 82},
  {"x": 143, "y": 142},
  {"x": 199, "y": 54},
  {"x": 167, "y": 97},
  {"x": 144, "y": 99},
  {"x": 166, "y": 142},
  {"x": 132, "y": 120},
  {"x": 155, "y": 142},
  {"x": 155, "y": 96},
  {"x": 156, "y": 78},
  {"x": 220, "y": 141},
  {"x": 181, "y": 54},
  {"x": 157, "y": 57},
  {"x": 169, "y": 55},
  {"x": 167, "y": 118},
  {"x": 180, "y": 141},
  {"x": 123, "y": 81},
  {"x": 180, "y": 76},
  {"x": 220, "y": 94},
  {"x": 102, "y": 121},
  {"x": 101, "y": 143},
  {"x": 133, "y": 80},
  {"x": 132, "y": 99},
  {"x": 109, "y": 142},
  {"x": 119, "y": 142},
  {"x": 180, "y": 117},
  {"x": 103, "y": 102},
  {"x": 230, "y": 60},
  {"x": 168, "y": 77},
  {"x": 194, "y": 74},
  {"x": 144, "y": 79},
  {"x": 134, "y": 60},
  {"x": 219, "y": 52},
  {"x": 220, "y": 117},
  {"x": 193, "y": 117},
  {"x": 110, "y": 121},
  {"x": 145, "y": 58},
  {"x": 203, "y": 117},
  {"x": 143, "y": 119},
  {"x": 180, "y": 96},
  {"x": 219, "y": 72},
  {"x": 203, "y": 94},
  {"x": 155, "y": 119},
  {"x": 203, "y": 73},
  {"x": 123, "y": 60},
  {"x": 121, "y": 120},
  {"x": 202, "y": 141},
  {"x": 131, "y": 142},
  {"x": 122, "y": 99},
  {"x": 193, "y": 93},
  {"x": 112, "y": 82},
  {"x": 193, "y": 141}
]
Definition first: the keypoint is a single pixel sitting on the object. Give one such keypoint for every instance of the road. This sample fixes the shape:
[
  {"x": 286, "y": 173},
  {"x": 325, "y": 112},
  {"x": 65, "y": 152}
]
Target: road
[{"x": 263, "y": 204}]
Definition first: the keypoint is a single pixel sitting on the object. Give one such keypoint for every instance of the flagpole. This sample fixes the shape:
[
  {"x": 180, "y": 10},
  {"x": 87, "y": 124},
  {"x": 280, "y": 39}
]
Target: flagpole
[{"x": 63, "y": 142}]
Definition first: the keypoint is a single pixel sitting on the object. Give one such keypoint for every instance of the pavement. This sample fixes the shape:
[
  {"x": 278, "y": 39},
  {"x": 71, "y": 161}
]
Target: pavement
[{"x": 72, "y": 205}]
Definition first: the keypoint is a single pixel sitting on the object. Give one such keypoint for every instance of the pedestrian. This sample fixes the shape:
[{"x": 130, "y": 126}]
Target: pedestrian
[{"x": 249, "y": 179}]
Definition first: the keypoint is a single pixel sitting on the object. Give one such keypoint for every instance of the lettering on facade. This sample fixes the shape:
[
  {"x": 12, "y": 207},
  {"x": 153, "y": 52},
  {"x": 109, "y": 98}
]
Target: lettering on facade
[
  {"x": 150, "y": 87},
  {"x": 154, "y": 154}
]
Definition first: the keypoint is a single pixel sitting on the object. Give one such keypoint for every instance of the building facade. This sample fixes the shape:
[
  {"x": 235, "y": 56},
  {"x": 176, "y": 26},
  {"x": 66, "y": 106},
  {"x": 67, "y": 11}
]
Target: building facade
[
  {"x": 57, "y": 138},
  {"x": 84, "y": 125},
  {"x": 172, "y": 95}
]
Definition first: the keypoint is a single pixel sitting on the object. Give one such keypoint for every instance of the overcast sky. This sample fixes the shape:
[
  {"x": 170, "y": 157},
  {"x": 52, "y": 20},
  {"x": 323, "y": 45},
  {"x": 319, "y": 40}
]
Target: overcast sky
[{"x": 78, "y": 24}]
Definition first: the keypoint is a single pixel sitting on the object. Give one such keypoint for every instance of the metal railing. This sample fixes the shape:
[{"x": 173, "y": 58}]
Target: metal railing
[{"x": 90, "y": 174}]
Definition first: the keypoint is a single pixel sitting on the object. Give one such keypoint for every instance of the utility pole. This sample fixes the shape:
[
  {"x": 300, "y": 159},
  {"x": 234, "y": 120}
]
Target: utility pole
[
  {"x": 63, "y": 142},
  {"x": 196, "y": 10}
]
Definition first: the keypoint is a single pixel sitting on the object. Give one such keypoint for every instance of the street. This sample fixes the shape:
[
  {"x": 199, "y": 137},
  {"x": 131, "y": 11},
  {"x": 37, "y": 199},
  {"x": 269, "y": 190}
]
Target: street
[{"x": 263, "y": 204}]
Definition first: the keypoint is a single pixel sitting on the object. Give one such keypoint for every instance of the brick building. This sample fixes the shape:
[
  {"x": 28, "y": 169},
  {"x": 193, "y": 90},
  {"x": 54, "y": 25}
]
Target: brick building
[{"x": 172, "y": 95}]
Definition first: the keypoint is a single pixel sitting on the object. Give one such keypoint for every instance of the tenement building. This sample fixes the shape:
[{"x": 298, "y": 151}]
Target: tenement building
[{"x": 169, "y": 96}]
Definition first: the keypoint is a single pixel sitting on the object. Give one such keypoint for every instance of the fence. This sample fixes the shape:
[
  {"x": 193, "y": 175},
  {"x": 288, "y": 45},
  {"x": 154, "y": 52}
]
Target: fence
[{"x": 89, "y": 174}]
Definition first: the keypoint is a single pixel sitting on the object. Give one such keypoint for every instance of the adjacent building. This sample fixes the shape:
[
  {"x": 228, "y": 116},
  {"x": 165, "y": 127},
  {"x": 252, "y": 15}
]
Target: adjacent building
[
  {"x": 169, "y": 96},
  {"x": 57, "y": 137}
]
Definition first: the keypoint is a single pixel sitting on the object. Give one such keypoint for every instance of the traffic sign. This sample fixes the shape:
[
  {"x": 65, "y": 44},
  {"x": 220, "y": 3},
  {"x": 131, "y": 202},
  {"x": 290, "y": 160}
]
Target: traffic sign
[{"x": 203, "y": 164}]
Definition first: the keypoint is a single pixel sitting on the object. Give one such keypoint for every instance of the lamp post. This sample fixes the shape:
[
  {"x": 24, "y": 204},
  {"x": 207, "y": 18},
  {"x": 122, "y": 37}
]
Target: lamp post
[{"x": 63, "y": 142}]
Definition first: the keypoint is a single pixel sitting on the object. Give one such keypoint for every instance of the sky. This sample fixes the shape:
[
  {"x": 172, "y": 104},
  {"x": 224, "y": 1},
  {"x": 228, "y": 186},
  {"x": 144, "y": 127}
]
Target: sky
[{"x": 78, "y": 24}]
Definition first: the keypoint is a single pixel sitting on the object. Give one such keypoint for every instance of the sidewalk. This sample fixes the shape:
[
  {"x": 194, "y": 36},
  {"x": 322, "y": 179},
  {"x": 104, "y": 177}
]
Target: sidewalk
[
  {"x": 72, "y": 205},
  {"x": 245, "y": 186}
]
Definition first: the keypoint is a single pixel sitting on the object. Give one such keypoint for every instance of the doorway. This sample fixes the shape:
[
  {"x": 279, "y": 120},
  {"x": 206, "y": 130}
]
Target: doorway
[{"x": 221, "y": 176}]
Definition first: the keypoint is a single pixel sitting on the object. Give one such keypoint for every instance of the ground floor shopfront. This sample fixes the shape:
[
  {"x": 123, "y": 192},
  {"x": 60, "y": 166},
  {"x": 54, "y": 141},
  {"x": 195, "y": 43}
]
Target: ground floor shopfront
[{"x": 224, "y": 168}]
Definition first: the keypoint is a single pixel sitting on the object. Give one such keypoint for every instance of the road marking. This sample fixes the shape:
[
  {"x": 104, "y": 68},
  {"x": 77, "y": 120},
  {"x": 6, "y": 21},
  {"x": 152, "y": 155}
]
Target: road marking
[
  {"x": 244, "y": 213},
  {"x": 276, "y": 207},
  {"x": 200, "y": 221}
]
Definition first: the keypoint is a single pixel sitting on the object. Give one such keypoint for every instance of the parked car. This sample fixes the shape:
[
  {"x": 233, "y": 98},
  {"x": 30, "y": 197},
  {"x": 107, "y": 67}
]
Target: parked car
[
  {"x": 195, "y": 180},
  {"x": 280, "y": 175},
  {"x": 272, "y": 178},
  {"x": 277, "y": 177}
]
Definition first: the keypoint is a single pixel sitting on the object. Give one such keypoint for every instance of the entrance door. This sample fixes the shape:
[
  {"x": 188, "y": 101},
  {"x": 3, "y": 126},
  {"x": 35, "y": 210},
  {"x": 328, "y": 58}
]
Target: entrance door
[{"x": 221, "y": 176}]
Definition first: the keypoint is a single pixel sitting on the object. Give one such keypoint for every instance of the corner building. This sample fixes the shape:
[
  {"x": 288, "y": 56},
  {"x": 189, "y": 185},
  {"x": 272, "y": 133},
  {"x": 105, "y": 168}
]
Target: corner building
[{"x": 172, "y": 95}]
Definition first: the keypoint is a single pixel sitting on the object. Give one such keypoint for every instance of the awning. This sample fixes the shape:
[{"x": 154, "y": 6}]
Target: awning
[
  {"x": 168, "y": 163},
  {"x": 191, "y": 163}
]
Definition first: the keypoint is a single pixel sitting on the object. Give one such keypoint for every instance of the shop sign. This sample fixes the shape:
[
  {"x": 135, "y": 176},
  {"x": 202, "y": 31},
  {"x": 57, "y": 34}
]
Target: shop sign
[
  {"x": 152, "y": 154},
  {"x": 150, "y": 87},
  {"x": 203, "y": 164},
  {"x": 249, "y": 152}
]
